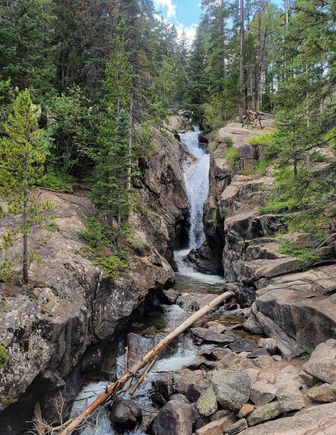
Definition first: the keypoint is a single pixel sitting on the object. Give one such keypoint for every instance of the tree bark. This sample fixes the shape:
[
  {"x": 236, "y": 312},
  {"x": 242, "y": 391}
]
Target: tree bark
[
  {"x": 130, "y": 146},
  {"x": 25, "y": 233},
  {"x": 242, "y": 104},
  {"x": 74, "y": 424}
]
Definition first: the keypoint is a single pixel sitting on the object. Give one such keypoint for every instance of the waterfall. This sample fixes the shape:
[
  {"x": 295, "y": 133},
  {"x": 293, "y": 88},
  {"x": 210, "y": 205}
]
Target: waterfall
[{"x": 197, "y": 184}]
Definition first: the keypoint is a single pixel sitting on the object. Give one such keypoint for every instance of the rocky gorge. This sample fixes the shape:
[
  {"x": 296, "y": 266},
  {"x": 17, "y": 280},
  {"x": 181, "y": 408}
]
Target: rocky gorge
[{"x": 264, "y": 363}]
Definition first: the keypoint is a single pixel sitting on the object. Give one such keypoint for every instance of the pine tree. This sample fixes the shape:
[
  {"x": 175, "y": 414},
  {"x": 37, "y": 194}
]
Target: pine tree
[
  {"x": 114, "y": 156},
  {"x": 28, "y": 46},
  {"x": 23, "y": 152}
]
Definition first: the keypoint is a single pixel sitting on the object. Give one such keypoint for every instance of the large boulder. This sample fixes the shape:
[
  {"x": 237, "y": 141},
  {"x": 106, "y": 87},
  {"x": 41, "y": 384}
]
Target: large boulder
[
  {"x": 324, "y": 393},
  {"x": 125, "y": 414},
  {"x": 322, "y": 363},
  {"x": 175, "y": 418},
  {"x": 262, "y": 392},
  {"x": 287, "y": 303},
  {"x": 232, "y": 388},
  {"x": 264, "y": 413},
  {"x": 216, "y": 427},
  {"x": 290, "y": 397},
  {"x": 316, "y": 420},
  {"x": 138, "y": 346},
  {"x": 207, "y": 403},
  {"x": 190, "y": 383}
]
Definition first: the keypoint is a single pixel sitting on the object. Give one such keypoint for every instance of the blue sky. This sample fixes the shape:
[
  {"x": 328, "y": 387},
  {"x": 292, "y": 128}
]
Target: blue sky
[{"x": 184, "y": 14}]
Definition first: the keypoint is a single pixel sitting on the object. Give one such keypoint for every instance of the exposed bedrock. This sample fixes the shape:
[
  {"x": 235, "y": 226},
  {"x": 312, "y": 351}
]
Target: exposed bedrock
[
  {"x": 69, "y": 307},
  {"x": 296, "y": 307}
]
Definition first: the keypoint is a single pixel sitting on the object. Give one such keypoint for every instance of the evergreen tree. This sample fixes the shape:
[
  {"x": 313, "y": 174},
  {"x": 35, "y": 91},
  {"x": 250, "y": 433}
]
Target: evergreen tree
[
  {"x": 27, "y": 51},
  {"x": 23, "y": 152}
]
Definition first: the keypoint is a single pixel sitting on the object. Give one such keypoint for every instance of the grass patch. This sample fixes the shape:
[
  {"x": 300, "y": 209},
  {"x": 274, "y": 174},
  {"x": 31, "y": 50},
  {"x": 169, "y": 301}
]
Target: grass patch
[
  {"x": 4, "y": 358},
  {"x": 266, "y": 139},
  {"x": 308, "y": 256},
  {"x": 112, "y": 259},
  {"x": 61, "y": 182},
  {"x": 231, "y": 156}
]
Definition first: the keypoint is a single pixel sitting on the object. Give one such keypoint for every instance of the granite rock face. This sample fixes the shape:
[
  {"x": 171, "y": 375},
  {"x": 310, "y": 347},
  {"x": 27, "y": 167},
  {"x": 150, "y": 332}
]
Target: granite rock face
[
  {"x": 287, "y": 297},
  {"x": 70, "y": 306}
]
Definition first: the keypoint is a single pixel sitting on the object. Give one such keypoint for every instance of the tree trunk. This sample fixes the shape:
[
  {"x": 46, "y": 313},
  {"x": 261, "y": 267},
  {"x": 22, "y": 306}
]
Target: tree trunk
[
  {"x": 286, "y": 12},
  {"x": 25, "y": 233},
  {"x": 130, "y": 146},
  {"x": 295, "y": 163},
  {"x": 242, "y": 104},
  {"x": 74, "y": 424}
]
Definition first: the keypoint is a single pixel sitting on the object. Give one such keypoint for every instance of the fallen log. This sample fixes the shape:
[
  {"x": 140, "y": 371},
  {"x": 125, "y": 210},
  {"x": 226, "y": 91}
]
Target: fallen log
[{"x": 103, "y": 397}]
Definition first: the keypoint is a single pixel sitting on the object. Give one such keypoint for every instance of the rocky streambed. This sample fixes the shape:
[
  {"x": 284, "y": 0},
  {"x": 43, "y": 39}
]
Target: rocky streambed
[
  {"x": 264, "y": 363},
  {"x": 216, "y": 378}
]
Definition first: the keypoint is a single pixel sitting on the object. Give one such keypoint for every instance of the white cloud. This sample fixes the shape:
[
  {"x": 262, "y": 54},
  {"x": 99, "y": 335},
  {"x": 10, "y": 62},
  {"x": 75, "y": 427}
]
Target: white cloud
[
  {"x": 190, "y": 32},
  {"x": 169, "y": 5}
]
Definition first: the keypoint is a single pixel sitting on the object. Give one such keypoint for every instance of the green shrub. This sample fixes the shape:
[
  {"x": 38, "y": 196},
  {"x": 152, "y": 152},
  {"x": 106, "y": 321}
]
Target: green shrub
[
  {"x": 308, "y": 256},
  {"x": 111, "y": 265},
  {"x": 231, "y": 156},
  {"x": 280, "y": 205},
  {"x": 54, "y": 181},
  {"x": 262, "y": 139},
  {"x": 95, "y": 234},
  {"x": 260, "y": 166},
  {"x": 4, "y": 358},
  {"x": 105, "y": 254}
]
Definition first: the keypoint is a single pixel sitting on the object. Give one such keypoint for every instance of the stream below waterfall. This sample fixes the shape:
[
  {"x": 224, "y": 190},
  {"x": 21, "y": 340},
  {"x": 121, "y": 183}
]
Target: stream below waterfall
[{"x": 190, "y": 284}]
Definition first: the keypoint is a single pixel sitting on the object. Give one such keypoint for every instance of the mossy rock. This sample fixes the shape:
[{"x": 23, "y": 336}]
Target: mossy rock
[{"x": 207, "y": 403}]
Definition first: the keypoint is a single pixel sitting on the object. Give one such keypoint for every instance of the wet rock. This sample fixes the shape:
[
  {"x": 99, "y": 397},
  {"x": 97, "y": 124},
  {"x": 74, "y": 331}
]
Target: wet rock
[
  {"x": 322, "y": 363},
  {"x": 206, "y": 260},
  {"x": 157, "y": 399},
  {"x": 179, "y": 397},
  {"x": 92, "y": 359},
  {"x": 210, "y": 336},
  {"x": 216, "y": 354},
  {"x": 207, "y": 403},
  {"x": 324, "y": 393},
  {"x": 237, "y": 427},
  {"x": 174, "y": 418},
  {"x": 216, "y": 427},
  {"x": 200, "y": 422},
  {"x": 262, "y": 393},
  {"x": 244, "y": 345},
  {"x": 245, "y": 410},
  {"x": 191, "y": 384},
  {"x": 125, "y": 414},
  {"x": 138, "y": 346},
  {"x": 164, "y": 385},
  {"x": 232, "y": 388},
  {"x": 264, "y": 413},
  {"x": 168, "y": 296},
  {"x": 290, "y": 397}
]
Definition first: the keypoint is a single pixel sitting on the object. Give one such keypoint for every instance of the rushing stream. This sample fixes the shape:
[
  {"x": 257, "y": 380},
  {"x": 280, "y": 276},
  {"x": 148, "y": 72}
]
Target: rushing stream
[{"x": 188, "y": 281}]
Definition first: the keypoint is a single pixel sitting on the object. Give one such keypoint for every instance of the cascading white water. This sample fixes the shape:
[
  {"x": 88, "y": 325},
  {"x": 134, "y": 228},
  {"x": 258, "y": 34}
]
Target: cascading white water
[{"x": 197, "y": 185}]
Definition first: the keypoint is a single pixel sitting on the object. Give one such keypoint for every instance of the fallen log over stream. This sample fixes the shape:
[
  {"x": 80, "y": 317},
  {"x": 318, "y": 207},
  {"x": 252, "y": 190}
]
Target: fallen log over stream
[{"x": 71, "y": 425}]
